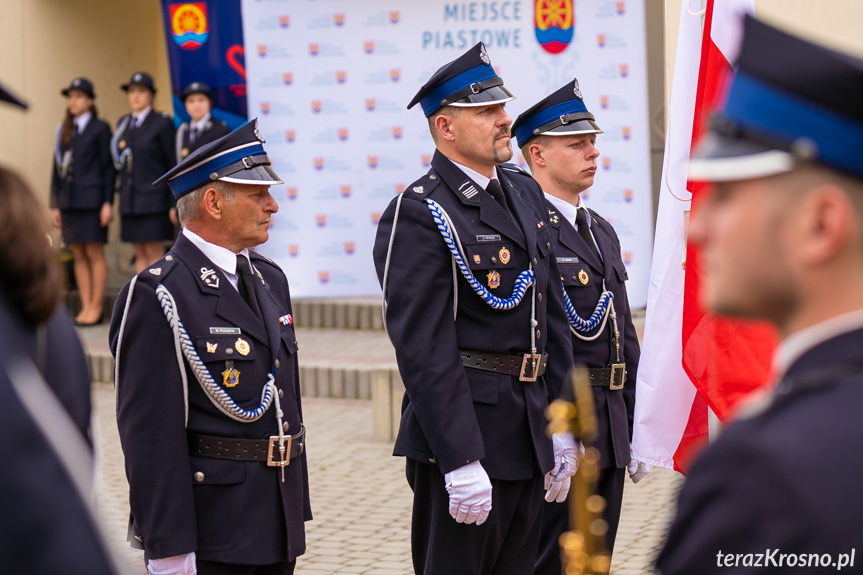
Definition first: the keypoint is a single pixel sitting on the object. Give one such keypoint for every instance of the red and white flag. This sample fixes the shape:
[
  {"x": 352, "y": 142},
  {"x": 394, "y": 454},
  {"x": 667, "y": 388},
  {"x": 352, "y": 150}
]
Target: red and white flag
[{"x": 691, "y": 359}]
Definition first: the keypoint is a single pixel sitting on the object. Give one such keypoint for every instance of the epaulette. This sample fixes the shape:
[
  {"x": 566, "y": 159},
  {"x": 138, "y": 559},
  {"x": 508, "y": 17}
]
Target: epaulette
[
  {"x": 421, "y": 188},
  {"x": 260, "y": 257},
  {"x": 515, "y": 169},
  {"x": 153, "y": 274}
]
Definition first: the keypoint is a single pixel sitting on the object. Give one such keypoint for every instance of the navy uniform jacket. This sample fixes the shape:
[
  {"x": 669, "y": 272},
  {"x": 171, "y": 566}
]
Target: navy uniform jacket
[
  {"x": 452, "y": 415},
  {"x": 89, "y": 179},
  {"x": 241, "y": 512},
  {"x": 44, "y": 525},
  {"x": 787, "y": 479},
  {"x": 213, "y": 130},
  {"x": 152, "y": 146},
  {"x": 614, "y": 409}
]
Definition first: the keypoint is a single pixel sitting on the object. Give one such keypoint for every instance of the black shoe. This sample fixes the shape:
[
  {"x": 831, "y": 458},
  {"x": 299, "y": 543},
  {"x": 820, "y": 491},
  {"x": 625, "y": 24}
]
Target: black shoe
[{"x": 97, "y": 322}]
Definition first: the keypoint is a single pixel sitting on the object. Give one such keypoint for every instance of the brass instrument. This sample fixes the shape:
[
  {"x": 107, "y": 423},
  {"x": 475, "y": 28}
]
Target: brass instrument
[{"x": 582, "y": 548}]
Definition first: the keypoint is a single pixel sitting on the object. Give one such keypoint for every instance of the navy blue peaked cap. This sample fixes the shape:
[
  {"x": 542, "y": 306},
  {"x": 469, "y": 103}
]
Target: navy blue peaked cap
[
  {"x": 140, "y": 79},
  {"x": 82, "y": 85},
  {"x": 196, "y": 88},
  {"x": 238, "y": 158},
  {"x": 791, "y": 101},
  {"x": 5, "y": 96},
  {"x": 562, "y": 113},
  {"x": 469, "y": 80}
]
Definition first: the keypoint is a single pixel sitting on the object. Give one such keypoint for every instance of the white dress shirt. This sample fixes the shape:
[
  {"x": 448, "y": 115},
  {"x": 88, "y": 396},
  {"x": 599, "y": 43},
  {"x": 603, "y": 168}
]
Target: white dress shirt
[{"x": 223, "y": 258}]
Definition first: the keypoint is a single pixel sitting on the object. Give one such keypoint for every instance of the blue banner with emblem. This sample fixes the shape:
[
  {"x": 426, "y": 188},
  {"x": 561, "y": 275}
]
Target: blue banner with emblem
[{"x": 205, "y": 44}]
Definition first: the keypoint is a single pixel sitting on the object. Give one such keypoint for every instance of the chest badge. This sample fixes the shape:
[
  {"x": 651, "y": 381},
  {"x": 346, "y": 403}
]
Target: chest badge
[
  {"x": 231, "y": 375},
  {"x": 493, "y": 279},
  {"x": 211, "y": 347},
  {"x": 504, "y": 255},
  {"x": 477, "y": 260},
  {"x": 209, "y": 278},
  {"x": 286, "y": 319},
  {"x": 583, "y": 278},
  {"x": 243, "y": 347}
]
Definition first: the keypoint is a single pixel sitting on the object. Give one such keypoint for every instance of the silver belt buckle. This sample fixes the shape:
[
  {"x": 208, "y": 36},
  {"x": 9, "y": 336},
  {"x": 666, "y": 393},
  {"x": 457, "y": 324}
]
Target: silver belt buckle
[
  {"x": 530, "y": 367},
  {"x": 274, "y": 451},
  {"x": 618, "y": 376}
]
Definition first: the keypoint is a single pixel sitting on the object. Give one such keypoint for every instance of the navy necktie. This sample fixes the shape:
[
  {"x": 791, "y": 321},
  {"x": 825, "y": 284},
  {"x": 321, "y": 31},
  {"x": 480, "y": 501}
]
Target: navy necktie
[
  {"x": 581, "y": 218},
  {"x": 246, "y": 285},
  {"x": 497, "y": 193}
]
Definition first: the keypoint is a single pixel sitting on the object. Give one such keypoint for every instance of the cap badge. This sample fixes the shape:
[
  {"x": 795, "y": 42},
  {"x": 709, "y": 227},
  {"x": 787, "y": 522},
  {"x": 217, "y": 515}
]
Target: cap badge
[
  {"x": 258, "y": 134},
  {"x": 210, "y": 278},
  {"x": 136, "y": 78},
  {"x": 242, "y": 346},
  {"x": 483, "y": 55},
  {"x": 504, "y": 255},
  {"x": 576, "y": 90},
  {"x": 493, "y": 279},
  {"x": 76, "y": 82}
]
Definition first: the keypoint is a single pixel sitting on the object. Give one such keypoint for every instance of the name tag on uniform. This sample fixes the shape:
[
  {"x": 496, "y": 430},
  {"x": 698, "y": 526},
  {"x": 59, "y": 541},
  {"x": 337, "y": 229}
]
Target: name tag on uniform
[
  {"x": 225, "y": 330},
  {"x": 488, "y": 238},
  {"x": 567, "y": 260}
]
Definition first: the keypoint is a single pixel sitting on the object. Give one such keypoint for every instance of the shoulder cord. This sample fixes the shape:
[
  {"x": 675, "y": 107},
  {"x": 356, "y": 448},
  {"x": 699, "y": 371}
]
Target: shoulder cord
[
  {"x": 178, "y": 140},
  {"x": 387, "y": 271},
  {"x": 119, "y": 157},
  {"x": 63, "y": 159},
  {"x": 604, "y": 308},
  {"x": 524, "y": 280}
]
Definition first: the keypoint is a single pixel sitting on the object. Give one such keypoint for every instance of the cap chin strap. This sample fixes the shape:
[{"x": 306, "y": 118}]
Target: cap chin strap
[{"x": 473, "y": 89}]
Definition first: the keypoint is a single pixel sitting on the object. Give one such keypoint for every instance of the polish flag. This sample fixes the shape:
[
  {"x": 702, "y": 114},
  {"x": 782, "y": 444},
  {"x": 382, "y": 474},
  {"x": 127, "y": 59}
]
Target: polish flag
[{"x": 691, "y": 361}]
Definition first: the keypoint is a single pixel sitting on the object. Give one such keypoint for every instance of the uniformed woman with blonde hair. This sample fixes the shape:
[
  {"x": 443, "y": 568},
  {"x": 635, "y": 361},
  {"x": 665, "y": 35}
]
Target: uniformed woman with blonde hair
[{"x": 82, "y": 191}]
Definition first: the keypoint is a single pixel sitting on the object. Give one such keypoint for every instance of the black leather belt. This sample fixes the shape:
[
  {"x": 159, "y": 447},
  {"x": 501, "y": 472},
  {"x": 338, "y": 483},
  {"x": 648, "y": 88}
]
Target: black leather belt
[
  {"x": 611, "y": 377},
  {"x": 525, "y": 366},
  {"x": 263, "y": 450}
]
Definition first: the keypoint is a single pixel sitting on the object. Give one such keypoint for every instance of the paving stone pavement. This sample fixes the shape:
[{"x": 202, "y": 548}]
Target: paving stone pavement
[{"x": 360, "y": 499}]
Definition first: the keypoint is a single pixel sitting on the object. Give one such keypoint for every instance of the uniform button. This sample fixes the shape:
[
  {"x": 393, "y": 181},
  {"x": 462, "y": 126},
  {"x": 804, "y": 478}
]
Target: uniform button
[
  {"x": 538, "y": 334},
  {"x": 169, "y": 258},
  {"x": 548, "y": 245},
  {"x": 199, "y": 477},
  {"x": 277, "y": 364},
  {"x": 285, "y": 427},
  {"x": 493, "y": 260},
  {"x": 539, "y": 296},
  {"x": 281, "y": 393},
  {"x": 535, "y": 262},
  {"x": 230, "y": 350},
  {"x": 574, "y": 277},
  {"x": 432, "y": 177},
  {"x": 432, "y": 460}
]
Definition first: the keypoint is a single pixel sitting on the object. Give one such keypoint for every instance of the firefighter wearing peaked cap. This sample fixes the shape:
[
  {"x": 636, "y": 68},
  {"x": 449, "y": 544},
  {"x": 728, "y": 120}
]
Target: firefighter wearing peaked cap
[
  {"x": 557, "y": 137},
  {"x": 201, "y": 128},
  {"x": 780, "y": 239},
  {"x": 473, "y": 306},
  {"x": 208, "y": 396}
]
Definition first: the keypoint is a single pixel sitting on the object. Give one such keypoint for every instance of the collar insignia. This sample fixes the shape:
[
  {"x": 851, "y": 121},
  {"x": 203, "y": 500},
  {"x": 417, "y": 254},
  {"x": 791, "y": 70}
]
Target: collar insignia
[{"x": 210, "y": 278}]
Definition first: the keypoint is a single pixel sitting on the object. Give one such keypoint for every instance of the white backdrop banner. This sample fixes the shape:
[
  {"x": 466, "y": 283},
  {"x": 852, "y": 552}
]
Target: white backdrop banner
[{"x": 329, "y": 81}]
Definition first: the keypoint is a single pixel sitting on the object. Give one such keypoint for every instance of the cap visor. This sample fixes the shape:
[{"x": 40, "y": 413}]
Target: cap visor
[
  {"x": 494, "y": 95},
  {"x": 258, "y": 175},
  {"x": 722, "y": 159},
  {"x": 573, "y": 128}
]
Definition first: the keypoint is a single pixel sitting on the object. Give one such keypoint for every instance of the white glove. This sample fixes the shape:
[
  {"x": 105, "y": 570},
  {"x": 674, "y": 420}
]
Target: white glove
[
  {"x": 469, "y": 491},
  {"x": 638, "y": 470},
  {"x": 567, "y": 455},
  {"x": 176, "y": 565}
]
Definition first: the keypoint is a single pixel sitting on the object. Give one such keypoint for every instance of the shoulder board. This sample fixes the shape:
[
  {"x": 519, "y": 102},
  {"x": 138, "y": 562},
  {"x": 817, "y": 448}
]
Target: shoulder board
[
  {"x": 154, "y": 274},
  {"x": 421, "y": 188},
  {"x": 515, "y": 169},
  {"x": 262, "y": 258}
]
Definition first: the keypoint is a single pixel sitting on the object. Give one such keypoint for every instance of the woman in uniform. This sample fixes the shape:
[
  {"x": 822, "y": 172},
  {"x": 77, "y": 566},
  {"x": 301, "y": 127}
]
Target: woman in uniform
[
  {"x": 143, "y": 150},
  {"x": 82, "y": 190},
  {"x": 202, "y": 128}
]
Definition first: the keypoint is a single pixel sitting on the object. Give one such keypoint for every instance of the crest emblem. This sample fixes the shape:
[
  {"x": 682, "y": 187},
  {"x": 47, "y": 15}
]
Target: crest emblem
[
  {"x": 210, "y": 278},
  {"x": 242, "y": 346},
  {"x": 583, "y": 278},
  {"x": 211, "y": 347},
  {"x": 504, "y": 255},
  {"x": 476, "y": 259},
  {"x": 190, "y": 27},
  {"x": 493, "y": 279},
  {"x": 231, "y": 377},
  {"x": 483, "y": 55},
  {"x": 576, "y": 90}
]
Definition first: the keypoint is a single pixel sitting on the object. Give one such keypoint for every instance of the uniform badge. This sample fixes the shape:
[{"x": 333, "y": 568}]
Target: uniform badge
[
  {"x": 122, "y": 145},
  {"x": 418, "y": 189},
  {"x": 258, "y": 134},
  {"x": 210, "y": 278},
  {"x": 260, "y": 277},
  {"x": 582, "y": 277},
  {"x": 477, "y": 260},
  {"x": 576, "y": 90},
  {"x": 539, "y": 225},
  {"x": 493, "y": 279},
  {"x": 286, "y": 320},
  {"x": 155, "y": 271},
  {"x": 554, "y": 219},
  {"x": 243, "y": 347},
  {"x": 504, "y": 255},
  {"x": 211, "y": 347},
  {"x": 231, "y": 376},
  {"x": 184, "y": 152},
  {"x": 483, "y": 55}
]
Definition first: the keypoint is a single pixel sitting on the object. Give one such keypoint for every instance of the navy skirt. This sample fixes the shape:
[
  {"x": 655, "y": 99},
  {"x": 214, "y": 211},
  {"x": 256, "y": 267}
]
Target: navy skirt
[
  {"x": 82, "y": 227},
  {"x": 145, "y": 228}
]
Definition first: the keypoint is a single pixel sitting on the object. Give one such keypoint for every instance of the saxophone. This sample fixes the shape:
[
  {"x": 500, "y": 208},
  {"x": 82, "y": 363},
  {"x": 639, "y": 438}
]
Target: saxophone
[{"x": 582, "y": 548}]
